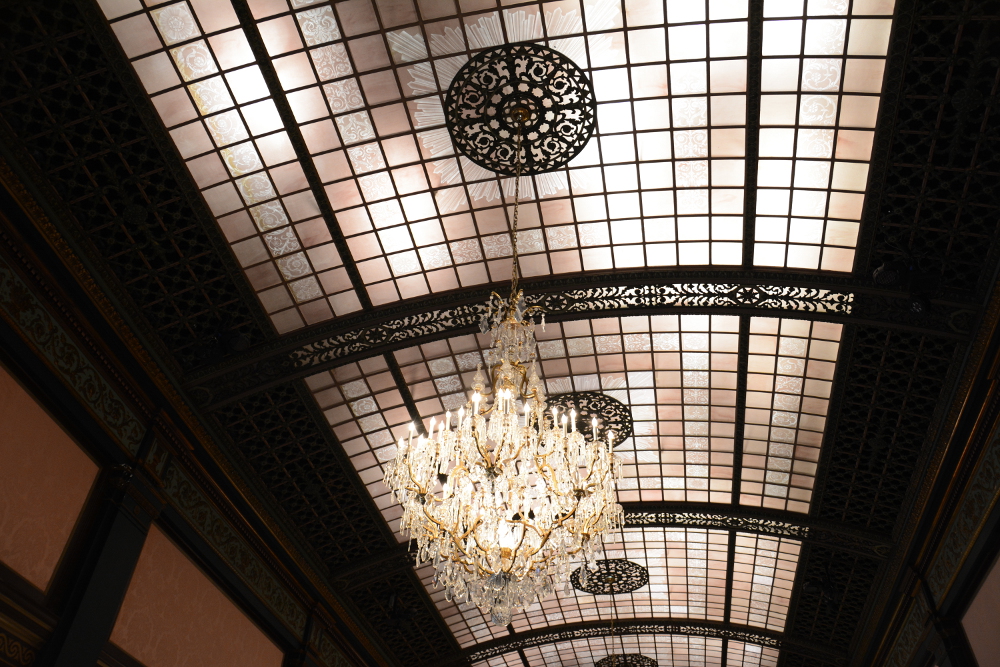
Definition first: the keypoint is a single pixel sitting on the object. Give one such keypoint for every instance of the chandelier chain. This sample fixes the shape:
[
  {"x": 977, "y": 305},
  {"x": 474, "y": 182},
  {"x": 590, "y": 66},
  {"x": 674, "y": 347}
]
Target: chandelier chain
[{"x": 518, "y": 164}]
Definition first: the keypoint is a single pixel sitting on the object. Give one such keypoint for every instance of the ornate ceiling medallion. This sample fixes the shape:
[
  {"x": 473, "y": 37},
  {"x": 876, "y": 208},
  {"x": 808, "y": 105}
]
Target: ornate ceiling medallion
[
  {"x": 527, "y": 83},
  {"x": 610, "y": 577},
  {"x": 613, "y": 418},
  {"x": 626, "y": 660}
]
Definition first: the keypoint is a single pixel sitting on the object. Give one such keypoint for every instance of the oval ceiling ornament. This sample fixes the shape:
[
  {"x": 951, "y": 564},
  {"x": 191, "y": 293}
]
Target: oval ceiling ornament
[
  {"x": 546, "y": 89},
  {"x": 626, "y": 660},
  {"x": 610, "y": 577},
  {"x": 613, "y": 417}
]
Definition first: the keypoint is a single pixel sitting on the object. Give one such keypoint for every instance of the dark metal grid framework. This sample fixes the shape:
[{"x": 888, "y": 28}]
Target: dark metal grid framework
[{"x": 890, "y": 381}]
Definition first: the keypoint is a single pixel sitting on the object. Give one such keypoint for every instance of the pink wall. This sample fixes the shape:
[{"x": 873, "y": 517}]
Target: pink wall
[
  {"x": 44, "y": 481},
  {"x": 982, "y": 621},
  {"x": 174, "y": 616}
]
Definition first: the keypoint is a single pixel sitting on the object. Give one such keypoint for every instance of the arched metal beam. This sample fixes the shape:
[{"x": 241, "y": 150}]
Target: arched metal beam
[
  {"x": 578, "y": 297},
  {"x": 650, "y": 626},
  {"x": 763, "y": 521}
]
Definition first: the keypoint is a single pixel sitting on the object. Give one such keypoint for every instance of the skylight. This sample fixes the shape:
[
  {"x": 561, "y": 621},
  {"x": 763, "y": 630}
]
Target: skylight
[{"x": 364, "y": 144}]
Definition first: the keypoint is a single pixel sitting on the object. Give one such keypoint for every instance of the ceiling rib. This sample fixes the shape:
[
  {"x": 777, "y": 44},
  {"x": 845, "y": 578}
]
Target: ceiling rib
[
  {"x": 291, "y": 126},
  {"x": 742, "y": 361},
  {"x": 755, "y": 42},
  {"x": 649, "y": 626},
  {"x": 404, "y": 392},
  {"x": 746, "y": 518}
]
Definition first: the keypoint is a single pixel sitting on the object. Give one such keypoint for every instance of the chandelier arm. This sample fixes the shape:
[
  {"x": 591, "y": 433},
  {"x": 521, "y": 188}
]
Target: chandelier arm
[
  {"x": 409, "y": 472},
  {"x": 484, "y": 454}
]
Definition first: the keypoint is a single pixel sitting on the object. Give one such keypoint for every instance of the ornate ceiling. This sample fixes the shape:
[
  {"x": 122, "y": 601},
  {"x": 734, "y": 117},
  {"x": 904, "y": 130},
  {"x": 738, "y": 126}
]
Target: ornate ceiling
[{"x": 267, "y": 191}]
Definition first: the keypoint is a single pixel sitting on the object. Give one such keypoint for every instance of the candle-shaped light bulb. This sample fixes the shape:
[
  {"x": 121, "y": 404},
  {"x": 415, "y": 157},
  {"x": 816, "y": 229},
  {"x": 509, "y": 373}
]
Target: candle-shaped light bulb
[
  {"x": 447, "y": 420},
  {"x": 593, "y": 429},
  {"x": 401, "y": 445},
  {"x": 430, "y": 433},
  {"x": 412, "y": 429},
  {"x": 610, "y": 446},
  {"x": 572, "y": 420}
]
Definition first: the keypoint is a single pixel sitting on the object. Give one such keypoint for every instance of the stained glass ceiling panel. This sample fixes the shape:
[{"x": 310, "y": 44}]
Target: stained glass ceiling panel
[
  {"x": 821, "y": 76},
  {"x": 661, "y": 183}
]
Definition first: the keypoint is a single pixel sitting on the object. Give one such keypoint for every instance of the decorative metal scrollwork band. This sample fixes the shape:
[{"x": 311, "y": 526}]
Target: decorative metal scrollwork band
[
  {"x": 626, "y": 660},
  {"x": 588, "y": 630},
  {"x": 590, "y": 300},
  {"x": 369, "y": 334},
  {"x": 612, "y": 576},
  {"x": 827, "y": 535}
]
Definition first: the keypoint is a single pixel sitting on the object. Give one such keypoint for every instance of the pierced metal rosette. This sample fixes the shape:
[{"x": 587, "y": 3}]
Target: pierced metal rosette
[
  {"x": 525, "y": 81},
  {"x": 610, "y": 577},
  {"x": 612, "y": 416},
  {"x": 626, "y": 660}
]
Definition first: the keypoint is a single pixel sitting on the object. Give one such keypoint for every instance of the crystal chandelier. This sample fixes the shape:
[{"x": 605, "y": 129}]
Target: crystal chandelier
[{"x": 504, "y": 495}]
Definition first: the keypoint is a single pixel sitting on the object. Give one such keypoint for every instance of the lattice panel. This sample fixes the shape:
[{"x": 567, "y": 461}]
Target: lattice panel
[
  {"x": 939, "y": 206},
  {"x": 408, "y": 626},
  {"x": 280, "y": 439},
  {"x": 82, "y": 129},
  {"x": 892, "y": 393},
  {"x": 834, "y": 588}
]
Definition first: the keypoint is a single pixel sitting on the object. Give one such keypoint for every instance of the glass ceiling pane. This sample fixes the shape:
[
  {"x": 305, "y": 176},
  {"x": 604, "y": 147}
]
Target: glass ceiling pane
[
  {"x": 820, "y": 82},
  {"x": 791, "y": 367},
  {"x": 742, "y": 654},
  {"x": 763, "y": 573},
  {"x": 197, "y": 65}
]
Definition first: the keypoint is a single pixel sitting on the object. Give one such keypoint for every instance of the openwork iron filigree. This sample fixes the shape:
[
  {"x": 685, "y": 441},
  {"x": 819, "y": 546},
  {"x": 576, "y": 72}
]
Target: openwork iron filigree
[
  {"x": 626, "y": 660},
  {"x": 610, "y": 577},
  {"x": 612, "y": 416},
  {"x": 555, "y": 96}
]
